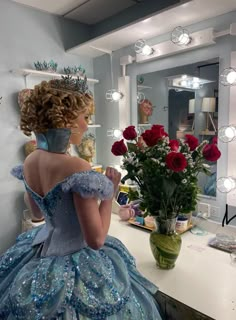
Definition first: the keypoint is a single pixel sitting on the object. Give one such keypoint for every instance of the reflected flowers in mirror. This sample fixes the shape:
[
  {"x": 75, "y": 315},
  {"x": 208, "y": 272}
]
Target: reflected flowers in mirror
[{"x": 165, "y": 170}]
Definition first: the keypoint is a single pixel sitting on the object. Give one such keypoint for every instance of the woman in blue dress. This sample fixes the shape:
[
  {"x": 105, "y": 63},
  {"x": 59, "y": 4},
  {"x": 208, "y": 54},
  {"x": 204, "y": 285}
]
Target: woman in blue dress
[{"x": 69, "y": 268}]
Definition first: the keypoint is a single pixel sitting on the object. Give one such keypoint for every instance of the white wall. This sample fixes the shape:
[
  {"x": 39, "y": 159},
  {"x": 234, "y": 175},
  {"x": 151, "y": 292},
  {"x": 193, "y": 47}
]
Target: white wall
[{"x": 26, "y": 35}]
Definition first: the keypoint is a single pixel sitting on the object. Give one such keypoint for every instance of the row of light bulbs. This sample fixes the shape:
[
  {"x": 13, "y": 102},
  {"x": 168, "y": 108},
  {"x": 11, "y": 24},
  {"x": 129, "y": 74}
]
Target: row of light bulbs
[{"x": 181, "y": 36}]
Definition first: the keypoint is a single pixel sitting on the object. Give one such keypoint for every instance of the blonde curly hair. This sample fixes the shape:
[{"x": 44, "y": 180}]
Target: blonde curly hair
[{"x": 48, "y": 108}]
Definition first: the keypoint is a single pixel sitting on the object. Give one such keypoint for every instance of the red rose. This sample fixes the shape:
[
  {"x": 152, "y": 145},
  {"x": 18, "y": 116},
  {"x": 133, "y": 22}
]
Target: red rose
[
  {"x": 174, "y": 145},
  {"x": 159, "y": 129},
  {"x": 150, "y": 137},
  {"x": 129, "y": 133},
  {"x": 211, "y": 152},
  {"x": 176, "y": 161},
  {"x": 191, "y": 141},
  {"x": 214, "y": 140},
  {"x": 119, "y": 148}
]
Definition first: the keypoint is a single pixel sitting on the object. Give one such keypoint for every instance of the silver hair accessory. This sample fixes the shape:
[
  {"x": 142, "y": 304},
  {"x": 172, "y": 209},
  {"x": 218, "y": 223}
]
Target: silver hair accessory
[{"x": 69, "y": 83}]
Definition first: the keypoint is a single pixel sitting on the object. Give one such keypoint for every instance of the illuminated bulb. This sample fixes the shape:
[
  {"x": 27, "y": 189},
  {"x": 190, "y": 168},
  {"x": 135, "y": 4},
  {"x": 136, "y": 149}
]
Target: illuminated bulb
[
  {"x": 227, "y": 133},
  {"x": 116, "y": 96},
  {"x": 184, "y": 39},
  {"x": 180, "y": 36},
  {"x": 147, "y": 50},
  {"x": 117, "y": 133},
  {"x": 184, "y": 83},
  {"x": 196, "y": 85},
  {"x": 228, "y": 77},
  {"x": 226, "y": 184},
  {"x": 231, "y": 77},
  {"x": 113, "y": 95},
  {"x": 141, "y": 47},
  {"x": 184, "y": 76}
]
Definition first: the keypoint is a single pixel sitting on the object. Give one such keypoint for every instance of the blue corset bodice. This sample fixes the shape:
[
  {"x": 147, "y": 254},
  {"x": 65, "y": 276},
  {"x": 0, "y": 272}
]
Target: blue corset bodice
[{"x": 62, "y": 234}]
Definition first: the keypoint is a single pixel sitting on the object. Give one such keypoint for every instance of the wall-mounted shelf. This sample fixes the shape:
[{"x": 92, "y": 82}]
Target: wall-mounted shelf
[
  {"x": 207, "y": 133},
  {"x": 94, "y": 125},
  {"x": 28, "y": 72},
  {"x": 144, "y": 124},
  {"x": 140, "y": 87}
]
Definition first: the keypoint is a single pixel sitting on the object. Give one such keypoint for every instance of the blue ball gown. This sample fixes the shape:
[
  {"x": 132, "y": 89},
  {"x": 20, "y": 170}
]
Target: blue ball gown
[{"x": 51, "y": 273}]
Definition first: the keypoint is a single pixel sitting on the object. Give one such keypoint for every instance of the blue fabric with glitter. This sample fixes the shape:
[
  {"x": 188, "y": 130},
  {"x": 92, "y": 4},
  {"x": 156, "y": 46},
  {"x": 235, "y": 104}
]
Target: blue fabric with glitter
[{"x": 42, "y": 278}]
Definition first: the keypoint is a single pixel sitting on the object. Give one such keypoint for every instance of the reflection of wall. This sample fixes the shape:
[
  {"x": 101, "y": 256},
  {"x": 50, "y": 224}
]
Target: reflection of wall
[{"x": 178, "y": 110}]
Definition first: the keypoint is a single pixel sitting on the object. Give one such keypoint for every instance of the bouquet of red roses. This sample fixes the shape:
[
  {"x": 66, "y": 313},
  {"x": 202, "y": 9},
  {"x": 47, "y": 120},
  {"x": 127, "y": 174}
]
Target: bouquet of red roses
[{"x": 165, "y": 170}]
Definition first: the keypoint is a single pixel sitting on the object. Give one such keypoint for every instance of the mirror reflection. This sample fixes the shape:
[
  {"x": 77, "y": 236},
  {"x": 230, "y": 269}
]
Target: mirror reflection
[{"x": 185, "y": 100}]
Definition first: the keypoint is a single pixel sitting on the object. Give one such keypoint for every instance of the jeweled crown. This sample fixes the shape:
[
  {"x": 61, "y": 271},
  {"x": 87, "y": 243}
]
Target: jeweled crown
[{"x": 69, "y": 83}]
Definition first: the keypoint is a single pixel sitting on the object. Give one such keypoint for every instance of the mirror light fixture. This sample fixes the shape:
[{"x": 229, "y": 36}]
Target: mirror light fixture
[
  {"x": 140, "y": 97},
  {"x": 228, "y": 77},
  {"x": 114, "y": 133},
  {"x": 142, "y": 48},
  {"x": 113, "y": 95},
  {"x": 227, "y": 133},
  {"x": 180, "y": 36},
  {"x": 226, "y": 184},
  {"x": 187, "y": 82},
  {"x": 209, "y": 106}
]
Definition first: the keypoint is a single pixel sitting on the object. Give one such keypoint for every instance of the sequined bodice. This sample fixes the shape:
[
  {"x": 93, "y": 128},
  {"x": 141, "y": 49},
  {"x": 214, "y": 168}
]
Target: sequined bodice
[{"x": 62, "y": 234}]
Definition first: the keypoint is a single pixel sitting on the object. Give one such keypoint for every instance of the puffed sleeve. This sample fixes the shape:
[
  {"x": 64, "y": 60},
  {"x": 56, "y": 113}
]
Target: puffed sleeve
[
  {"x": 18, "y": 172},
  {"x": 89, "y": 184}
]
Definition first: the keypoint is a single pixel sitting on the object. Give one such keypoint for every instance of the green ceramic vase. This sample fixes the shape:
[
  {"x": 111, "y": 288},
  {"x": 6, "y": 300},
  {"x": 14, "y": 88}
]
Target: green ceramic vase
[{"x": 165, "y": 243}]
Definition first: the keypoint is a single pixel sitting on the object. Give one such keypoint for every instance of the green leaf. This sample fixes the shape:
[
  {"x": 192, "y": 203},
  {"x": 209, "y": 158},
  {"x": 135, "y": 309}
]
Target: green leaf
[
  {"x": 131, "y": 147},
  {"x": 169, "y": 187}
]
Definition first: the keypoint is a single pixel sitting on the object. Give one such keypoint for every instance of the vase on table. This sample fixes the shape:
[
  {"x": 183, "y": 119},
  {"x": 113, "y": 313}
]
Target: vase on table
[{"x": 165, "y": 243}]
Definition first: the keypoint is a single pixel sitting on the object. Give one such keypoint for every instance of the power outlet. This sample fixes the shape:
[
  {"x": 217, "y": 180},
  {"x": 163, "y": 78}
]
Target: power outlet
[
  {"x": 203, "y": 209},
  {"x": 215, "y": 212}
]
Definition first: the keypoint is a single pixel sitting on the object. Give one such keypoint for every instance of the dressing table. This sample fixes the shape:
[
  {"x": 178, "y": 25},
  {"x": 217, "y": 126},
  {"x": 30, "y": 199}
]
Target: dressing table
[{"x": 201, "y": 286}]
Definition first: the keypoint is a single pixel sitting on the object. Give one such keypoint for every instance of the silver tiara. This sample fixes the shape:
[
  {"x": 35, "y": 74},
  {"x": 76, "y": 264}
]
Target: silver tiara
[{"x": 68, "y": 83}]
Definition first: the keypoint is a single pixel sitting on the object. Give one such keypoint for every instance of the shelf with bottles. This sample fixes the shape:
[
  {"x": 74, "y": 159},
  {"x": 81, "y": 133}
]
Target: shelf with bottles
[{"x": 37, "y": 73}]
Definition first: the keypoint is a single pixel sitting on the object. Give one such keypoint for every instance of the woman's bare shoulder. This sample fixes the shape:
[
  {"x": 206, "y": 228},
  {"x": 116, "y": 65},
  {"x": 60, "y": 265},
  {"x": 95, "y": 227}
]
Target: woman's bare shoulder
[{"x": 77, "y": 164}]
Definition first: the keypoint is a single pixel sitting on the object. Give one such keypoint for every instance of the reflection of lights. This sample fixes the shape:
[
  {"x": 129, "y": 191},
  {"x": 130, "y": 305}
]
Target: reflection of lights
[
  {"x": 180, "y": 36},
  {"x": 140, "y": 97},
  {"x": 184, "y": 76},
  {"x": 184, "y": 83},
  {"x": 114, "y": 133},
  {"x": 227, "y": 133},
  {"x": 146, "y": 20},
  {"x": 226, "y": 184},
  {"x": 228, "y": 77},
  {"x": 141, "y": 47},
  {"x": 114, "y": 95}
]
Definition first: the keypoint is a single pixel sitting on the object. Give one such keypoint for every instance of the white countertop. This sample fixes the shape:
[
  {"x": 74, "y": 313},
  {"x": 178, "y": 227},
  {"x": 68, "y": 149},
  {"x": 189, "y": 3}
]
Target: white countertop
[{"x": 202, "y": 278}]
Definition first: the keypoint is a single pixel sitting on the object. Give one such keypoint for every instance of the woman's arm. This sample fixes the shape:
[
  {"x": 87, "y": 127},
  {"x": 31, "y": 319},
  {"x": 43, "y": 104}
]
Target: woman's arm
[
  {"x": 95, "y": 220},
  {"x": 33, "y": 208}
]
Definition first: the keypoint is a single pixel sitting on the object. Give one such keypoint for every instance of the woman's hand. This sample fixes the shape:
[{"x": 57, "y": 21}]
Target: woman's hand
[{"x": 114, "y": 176}]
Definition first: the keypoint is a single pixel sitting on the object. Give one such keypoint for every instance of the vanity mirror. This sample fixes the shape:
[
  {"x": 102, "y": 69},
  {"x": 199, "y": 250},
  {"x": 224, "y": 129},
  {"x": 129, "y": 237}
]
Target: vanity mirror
[{"x": 185, "y": 100}]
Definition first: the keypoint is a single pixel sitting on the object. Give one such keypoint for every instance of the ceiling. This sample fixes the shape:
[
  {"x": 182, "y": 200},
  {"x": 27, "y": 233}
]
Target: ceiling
[
  {"x": 159, "y": 24},
  {"x": 85, "y": 11}
]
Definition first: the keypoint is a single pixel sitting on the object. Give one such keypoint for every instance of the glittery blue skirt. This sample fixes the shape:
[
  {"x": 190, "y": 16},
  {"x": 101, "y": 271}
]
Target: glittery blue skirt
[{"x": 87, "y": 284}]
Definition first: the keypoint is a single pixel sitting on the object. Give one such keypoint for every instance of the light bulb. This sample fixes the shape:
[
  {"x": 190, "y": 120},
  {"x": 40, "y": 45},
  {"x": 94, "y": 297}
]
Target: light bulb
[
  {"x": 231, "y": 77},
  {"x": 117, "y": 133},
  {"x": 196, "y": 85},
  {"x": 116, "y": 96},
  {"x": 184, "y": 39},
  {"x": 183, "y": 83},
  {"x": 184, "y": 76},
  {"x": 180, "y": 36},
  {"x": 226, "y": 184},
  {"x": 141, "y": 47},
  {"x": 140, "y": 97},
  {"x": 147, "y": 50},
  {"x": 228, "y": 77},
  {"x": 227, "y": 133}
]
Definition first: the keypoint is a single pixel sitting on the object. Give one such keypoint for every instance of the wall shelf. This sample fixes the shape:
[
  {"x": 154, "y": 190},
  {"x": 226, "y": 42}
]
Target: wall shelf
[
  {"x": 94, "y": 126},
  {"x": 141, "y": 87},
  {"x": 144, "y": 124},
  {"x": 28, "y": 72}
]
